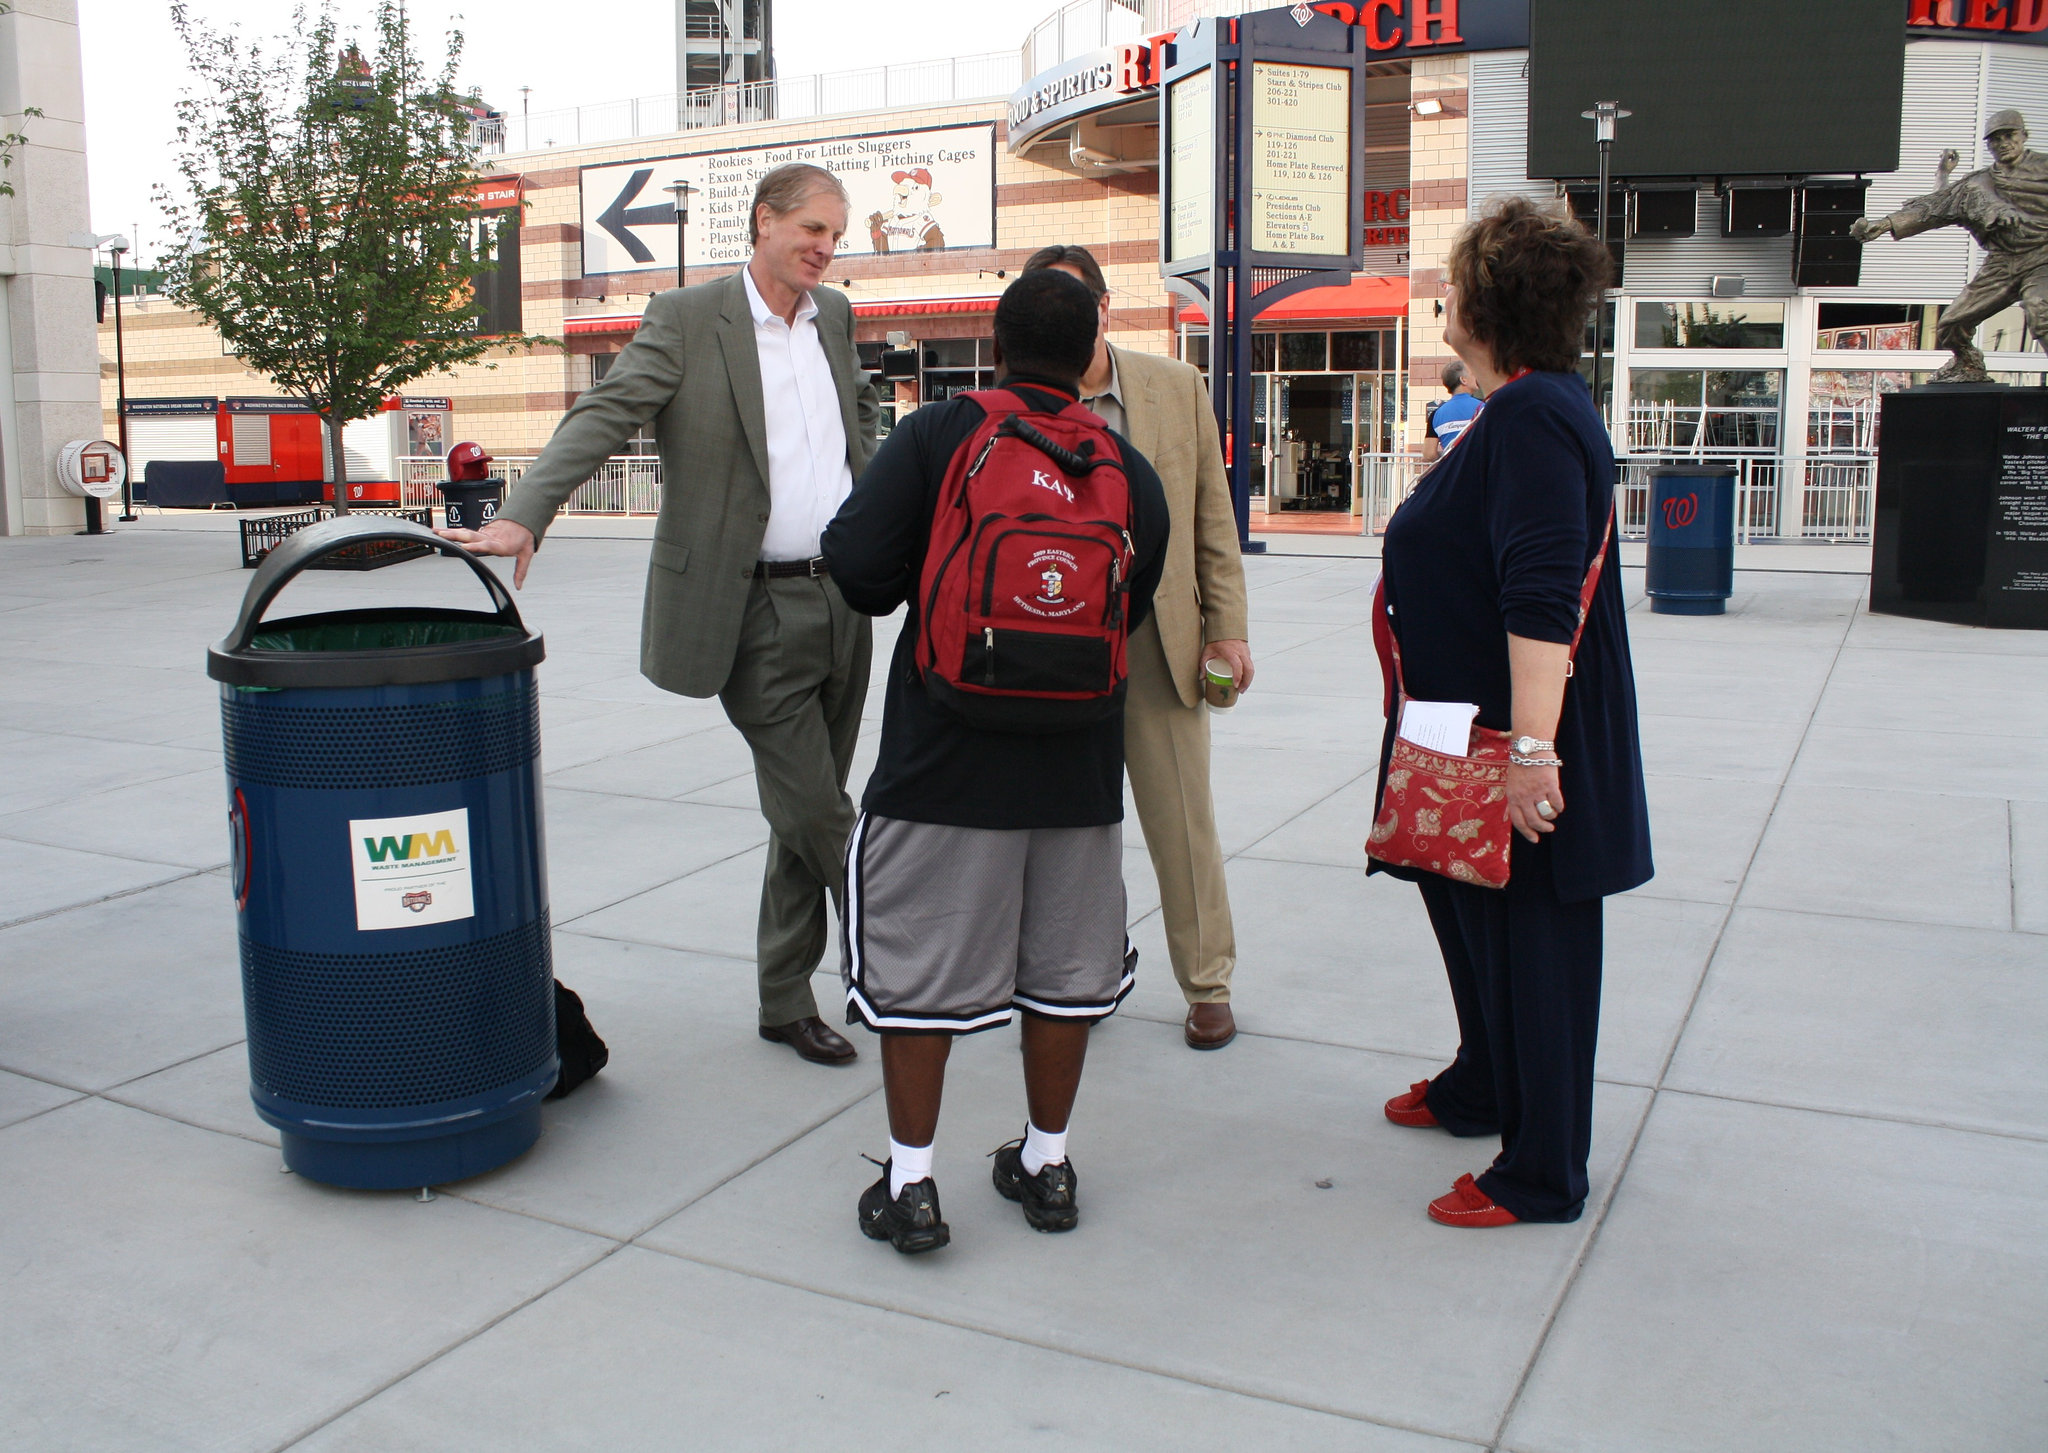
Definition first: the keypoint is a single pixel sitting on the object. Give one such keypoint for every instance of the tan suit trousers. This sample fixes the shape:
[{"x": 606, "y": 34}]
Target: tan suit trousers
[{"x": 1166, "y": 753}]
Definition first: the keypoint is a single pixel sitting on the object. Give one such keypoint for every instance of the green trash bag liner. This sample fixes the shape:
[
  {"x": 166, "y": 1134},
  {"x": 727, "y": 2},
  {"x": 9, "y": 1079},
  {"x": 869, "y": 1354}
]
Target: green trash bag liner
[{"x": 395, "y": 635}]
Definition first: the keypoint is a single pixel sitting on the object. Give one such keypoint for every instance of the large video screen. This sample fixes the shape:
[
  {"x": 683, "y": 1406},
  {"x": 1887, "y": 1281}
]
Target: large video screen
[{"x": 1718, "y": 87}]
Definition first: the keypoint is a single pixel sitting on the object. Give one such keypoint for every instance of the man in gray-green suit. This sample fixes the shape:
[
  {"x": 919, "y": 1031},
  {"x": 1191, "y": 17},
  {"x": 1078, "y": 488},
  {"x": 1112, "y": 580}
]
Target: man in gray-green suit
[{"x": 763, "y": 417}]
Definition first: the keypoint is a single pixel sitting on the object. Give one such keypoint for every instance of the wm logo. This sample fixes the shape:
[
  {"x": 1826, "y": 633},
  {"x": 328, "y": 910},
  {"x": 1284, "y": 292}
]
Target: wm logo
[{"x": 410, "y": 847}]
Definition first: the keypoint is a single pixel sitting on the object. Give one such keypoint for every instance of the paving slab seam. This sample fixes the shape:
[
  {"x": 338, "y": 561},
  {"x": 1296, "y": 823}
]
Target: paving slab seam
[
  {"x": 108, "y": 897},
  {"x": 715, "y": 862},
  {"x": 2012, "y": 869},
  {"x": 1865, "y": 917},
  {"x": 1379, "y": 1049},
  {"x": 1496, "y": 1443},
  {"x": 1079, "y": 1354},
  {"x": 2032, "y": 1137},
  {"x": 162, "y": 1114},
  {"x": 1246, "y": 850},
  {"x": 758, "y": 1161},
  {"x": 707, "y": 953},
  {"x": 463, "y": 1341}
]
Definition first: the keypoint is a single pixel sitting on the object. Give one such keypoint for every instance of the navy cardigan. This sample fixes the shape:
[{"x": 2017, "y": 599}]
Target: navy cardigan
[{"x": 1496, "y": 540}]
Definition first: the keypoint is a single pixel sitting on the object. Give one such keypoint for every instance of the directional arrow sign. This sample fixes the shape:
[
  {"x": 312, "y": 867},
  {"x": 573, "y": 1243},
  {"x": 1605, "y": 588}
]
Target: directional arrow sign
[{"x": 621, "y": 216}]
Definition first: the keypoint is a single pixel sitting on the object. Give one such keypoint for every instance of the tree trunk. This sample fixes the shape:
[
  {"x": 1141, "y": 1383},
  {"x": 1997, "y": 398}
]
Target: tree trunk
[{"x": 339, "y": 456}]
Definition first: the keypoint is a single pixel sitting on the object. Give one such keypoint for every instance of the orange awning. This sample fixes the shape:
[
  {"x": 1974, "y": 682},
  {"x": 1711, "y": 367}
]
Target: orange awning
[
  {"x": 612, "y": 323},
  {"x": 1362, "y": 297},
  {"x": 923, "y": 307}
]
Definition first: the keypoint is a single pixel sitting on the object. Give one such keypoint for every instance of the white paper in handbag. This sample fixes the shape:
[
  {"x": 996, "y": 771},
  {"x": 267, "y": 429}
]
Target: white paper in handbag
[{"x": 1439, "y": 726}]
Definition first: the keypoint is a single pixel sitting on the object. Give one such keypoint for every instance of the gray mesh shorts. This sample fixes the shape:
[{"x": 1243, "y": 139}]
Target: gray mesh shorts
[{"x": 950, "y": 929}]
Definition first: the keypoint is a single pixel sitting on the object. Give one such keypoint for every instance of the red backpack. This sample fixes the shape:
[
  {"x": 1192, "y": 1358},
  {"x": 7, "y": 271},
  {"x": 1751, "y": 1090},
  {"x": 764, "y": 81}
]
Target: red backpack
[{"x": 1025, "y": 591}]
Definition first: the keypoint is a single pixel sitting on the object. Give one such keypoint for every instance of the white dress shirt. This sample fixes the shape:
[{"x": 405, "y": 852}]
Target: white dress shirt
[
  {"x": 808, "y": 476},
  {"x": 1110, "y": 402}
]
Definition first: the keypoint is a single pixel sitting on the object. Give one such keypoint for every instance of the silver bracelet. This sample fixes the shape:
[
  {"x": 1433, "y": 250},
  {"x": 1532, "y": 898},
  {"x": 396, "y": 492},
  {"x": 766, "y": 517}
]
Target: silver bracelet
[{"x": 1521, "y": 761}]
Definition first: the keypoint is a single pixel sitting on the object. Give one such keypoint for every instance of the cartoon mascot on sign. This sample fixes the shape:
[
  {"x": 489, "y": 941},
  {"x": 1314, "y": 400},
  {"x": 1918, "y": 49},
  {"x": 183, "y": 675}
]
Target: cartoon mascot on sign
[{"x": 911, "y": 224}]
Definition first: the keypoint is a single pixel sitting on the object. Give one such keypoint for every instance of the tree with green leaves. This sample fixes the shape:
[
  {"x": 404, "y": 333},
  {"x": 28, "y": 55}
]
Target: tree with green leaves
[{"x": 327, "y": 212}]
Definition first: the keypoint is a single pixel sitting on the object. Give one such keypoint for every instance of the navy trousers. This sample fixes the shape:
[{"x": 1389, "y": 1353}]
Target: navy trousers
[{"x": 1525, "y": 977}]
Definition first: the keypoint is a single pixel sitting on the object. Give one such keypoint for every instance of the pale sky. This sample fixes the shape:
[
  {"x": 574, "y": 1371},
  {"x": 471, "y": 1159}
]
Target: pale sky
[{"x": 571, "y": 54}]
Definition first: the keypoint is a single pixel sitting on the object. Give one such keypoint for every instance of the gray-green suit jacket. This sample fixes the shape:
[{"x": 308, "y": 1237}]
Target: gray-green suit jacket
[{"x": 693, "y": 368}]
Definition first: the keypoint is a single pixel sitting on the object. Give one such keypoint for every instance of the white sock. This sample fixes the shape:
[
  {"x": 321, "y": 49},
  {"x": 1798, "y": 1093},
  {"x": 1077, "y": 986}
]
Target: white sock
[
  {"x": 908, "y": 1164},
  {"x": 1042, "y": 1148}
]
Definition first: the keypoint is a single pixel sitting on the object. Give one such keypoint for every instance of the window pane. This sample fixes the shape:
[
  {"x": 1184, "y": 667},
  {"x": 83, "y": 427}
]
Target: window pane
[
  {"x": 1359, "y": 352},
  {"x": 1710, "y": 325},
  {"x": 1683, "y": 387},
  {"x": 1304, "y": 352},
  {"x": 1264, "y": 352},
  {"x": 1195, "y": 349},
  {"x": 949, "y": 353},
  {"x": 1744, "y": 390},
  {"x": 1876, "y": 325}
]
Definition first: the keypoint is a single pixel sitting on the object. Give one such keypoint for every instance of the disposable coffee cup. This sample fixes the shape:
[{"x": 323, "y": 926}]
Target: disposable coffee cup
[{"x": 1219, "y": 685}]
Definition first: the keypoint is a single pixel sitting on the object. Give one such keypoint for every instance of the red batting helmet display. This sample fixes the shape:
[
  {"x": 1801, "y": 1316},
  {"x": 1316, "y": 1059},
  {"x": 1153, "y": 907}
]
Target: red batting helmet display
[{"x": 468, "y": 461}]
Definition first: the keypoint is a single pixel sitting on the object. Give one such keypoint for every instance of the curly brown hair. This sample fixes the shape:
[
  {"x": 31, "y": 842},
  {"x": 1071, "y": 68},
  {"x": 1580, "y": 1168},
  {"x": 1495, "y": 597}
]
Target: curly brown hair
[{"x": 1528, "y": 278}]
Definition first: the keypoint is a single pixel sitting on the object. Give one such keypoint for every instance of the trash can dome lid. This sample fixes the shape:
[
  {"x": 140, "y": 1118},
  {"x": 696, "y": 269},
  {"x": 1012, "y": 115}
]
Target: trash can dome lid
[{"x": 382, "y": 646}]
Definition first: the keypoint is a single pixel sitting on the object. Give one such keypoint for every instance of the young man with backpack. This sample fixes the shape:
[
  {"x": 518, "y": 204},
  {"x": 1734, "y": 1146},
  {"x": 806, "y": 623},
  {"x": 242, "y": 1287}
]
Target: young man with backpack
[{"x": 985, "y": 874}]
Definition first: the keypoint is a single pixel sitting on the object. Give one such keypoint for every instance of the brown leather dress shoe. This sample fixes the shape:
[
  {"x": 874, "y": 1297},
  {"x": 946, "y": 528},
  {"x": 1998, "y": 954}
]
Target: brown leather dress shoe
[
  {"x": 1209, "y": 1026},
  {"x": 812, "y": 1039}
]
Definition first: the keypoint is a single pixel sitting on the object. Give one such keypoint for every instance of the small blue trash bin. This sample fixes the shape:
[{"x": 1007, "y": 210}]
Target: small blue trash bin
[
  {"x": 1691, "y": 557},
  {"x": 389, "y": 874}
]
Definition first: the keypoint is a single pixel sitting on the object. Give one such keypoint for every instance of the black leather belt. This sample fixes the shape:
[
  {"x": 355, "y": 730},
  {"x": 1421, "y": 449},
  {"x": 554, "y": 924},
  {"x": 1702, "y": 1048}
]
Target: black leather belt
[{"x": 789, "y": 569}]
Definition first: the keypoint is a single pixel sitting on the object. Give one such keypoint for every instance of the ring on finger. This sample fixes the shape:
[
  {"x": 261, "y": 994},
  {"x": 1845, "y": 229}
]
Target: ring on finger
[{"x": 1545, "y": 811}]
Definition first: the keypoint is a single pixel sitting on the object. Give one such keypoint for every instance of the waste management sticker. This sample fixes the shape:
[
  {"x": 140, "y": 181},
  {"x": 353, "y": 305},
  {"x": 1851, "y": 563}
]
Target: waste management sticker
[{"x": 411, "y": 870}]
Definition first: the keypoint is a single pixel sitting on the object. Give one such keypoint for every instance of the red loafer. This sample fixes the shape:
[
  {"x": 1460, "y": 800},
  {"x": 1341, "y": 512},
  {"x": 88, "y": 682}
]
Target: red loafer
[
  {"x": 1467, "y": 1205},
  {"x": 1412, "y": 1109}
]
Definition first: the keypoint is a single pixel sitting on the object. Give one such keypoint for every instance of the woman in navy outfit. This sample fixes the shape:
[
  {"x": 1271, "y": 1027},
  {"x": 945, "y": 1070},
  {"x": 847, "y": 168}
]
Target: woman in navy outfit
[{"x": 1485, "y": 564}]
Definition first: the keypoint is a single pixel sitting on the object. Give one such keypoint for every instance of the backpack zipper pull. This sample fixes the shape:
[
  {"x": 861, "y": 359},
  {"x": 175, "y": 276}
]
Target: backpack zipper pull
[{"x": 988, "y": 641}]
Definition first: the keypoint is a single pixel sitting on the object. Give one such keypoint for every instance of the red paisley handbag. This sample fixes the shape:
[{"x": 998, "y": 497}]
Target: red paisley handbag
[{"x": 1449, "y": 815}]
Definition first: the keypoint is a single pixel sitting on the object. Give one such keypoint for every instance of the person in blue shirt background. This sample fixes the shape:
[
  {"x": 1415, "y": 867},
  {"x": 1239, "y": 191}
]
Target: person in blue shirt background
[{"x": 1449, "y": 418}]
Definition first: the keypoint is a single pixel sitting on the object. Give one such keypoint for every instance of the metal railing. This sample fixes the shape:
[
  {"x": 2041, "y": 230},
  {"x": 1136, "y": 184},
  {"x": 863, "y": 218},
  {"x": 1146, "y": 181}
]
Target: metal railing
[
  {"x": 1084, "y": 25},
  {"x": 625, "y": 484},
  {"x": 1382, "y": 482},
  {"x": 880, "y": 88},
  {"x": 1832, "y": 499}
]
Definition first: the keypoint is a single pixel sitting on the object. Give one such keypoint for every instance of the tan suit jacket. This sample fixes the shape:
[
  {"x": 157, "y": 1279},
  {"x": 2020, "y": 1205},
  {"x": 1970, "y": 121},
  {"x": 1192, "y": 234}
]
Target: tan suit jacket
[
  {"x": 694, "y": 368},
  {"x": 1201, "y": 596}
]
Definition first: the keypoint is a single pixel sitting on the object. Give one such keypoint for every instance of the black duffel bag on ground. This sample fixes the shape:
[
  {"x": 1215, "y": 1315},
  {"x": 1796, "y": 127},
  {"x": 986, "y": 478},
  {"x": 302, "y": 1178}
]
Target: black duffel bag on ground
[{"x": 582, "y": 1053}]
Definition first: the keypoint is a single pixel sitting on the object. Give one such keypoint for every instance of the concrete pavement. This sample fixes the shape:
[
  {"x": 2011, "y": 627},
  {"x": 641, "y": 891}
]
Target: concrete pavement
[{"x": 1821, "y": 1144}]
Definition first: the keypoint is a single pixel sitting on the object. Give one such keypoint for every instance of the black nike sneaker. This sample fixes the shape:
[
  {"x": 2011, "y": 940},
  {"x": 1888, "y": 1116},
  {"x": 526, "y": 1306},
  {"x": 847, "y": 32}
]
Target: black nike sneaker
[
  {"x": 910, "y": 1222},
  {"x": 1047, "y": 1198}
]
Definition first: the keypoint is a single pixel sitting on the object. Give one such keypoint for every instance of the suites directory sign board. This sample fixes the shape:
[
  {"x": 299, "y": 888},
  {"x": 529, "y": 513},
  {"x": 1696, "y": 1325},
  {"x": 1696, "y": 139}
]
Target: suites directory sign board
[{"x": 1301, "y": 160}]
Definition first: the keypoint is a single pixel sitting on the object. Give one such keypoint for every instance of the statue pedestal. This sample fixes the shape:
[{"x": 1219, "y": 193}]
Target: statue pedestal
[{"x": 1961, "y": 528}]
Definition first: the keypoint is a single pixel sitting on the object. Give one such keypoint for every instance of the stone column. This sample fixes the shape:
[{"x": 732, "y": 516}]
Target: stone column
[{"x": 49, "y": 350}]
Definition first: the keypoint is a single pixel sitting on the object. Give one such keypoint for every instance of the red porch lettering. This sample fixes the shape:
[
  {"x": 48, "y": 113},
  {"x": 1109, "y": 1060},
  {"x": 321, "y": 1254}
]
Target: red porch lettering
[
  {"x": 1369, "y": 17},
  {"x": 1443, "y": 14},
  {"x": 1986, "y": 15}
]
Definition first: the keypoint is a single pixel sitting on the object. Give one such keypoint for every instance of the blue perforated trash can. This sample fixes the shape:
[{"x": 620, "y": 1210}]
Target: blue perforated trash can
[
  {"x": 1691, "y": 557},
  {"x": 389, "y": 875}
]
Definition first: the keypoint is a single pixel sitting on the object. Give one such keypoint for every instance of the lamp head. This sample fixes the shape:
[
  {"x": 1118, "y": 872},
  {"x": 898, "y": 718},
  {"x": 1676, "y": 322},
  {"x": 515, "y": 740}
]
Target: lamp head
[{"x": 1603, "y": 116}]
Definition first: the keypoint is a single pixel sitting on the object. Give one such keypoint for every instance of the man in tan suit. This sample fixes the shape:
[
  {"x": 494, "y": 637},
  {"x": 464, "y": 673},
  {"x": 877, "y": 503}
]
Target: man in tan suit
[
  {"x": 1198, "y": 615},
  {"x": 763, "y": 418}
]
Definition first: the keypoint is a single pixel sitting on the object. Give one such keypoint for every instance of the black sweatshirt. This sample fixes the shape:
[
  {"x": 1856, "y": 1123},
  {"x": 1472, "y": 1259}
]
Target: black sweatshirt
[{"x": 934, "y": 767}]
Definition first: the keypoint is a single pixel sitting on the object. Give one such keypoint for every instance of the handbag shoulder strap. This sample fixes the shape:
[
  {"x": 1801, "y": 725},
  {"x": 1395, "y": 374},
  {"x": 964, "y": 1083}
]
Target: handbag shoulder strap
[{"x": 1390, "y": 645}]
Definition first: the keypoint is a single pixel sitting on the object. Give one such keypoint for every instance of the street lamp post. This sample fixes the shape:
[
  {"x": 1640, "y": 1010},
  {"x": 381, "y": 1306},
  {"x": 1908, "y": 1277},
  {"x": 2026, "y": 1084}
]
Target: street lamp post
[
  {"x": 1603, "y": 116},
  {"x": 681, "y": 191},
  {"x": 116, "y": 248}
]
